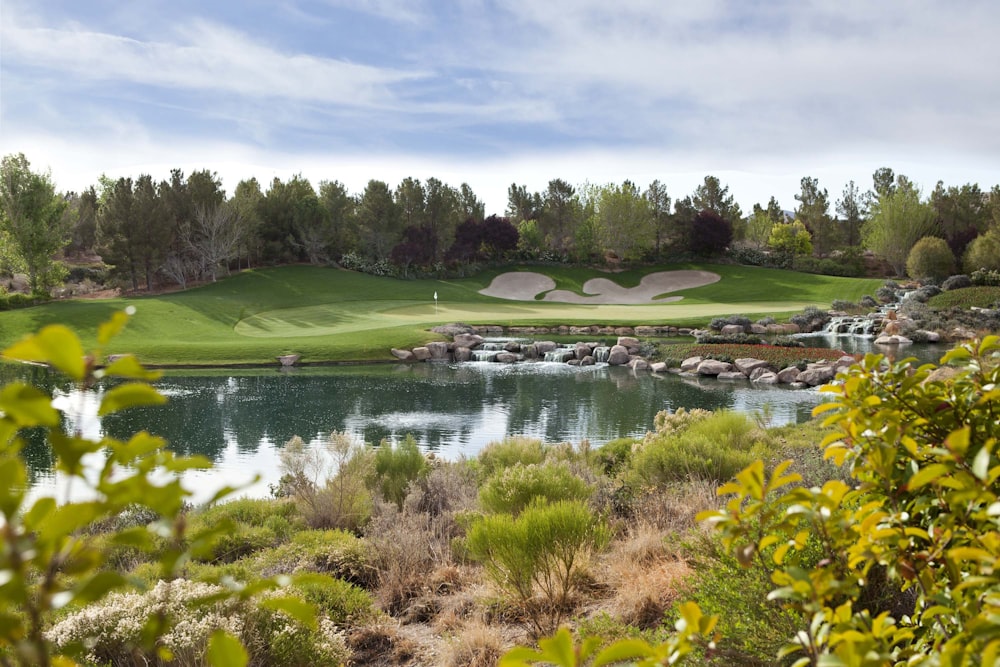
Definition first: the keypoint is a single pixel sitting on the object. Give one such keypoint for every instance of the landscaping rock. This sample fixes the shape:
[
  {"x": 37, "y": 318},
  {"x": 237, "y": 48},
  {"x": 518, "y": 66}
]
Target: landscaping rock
[
  {"x": 758, "y": 329},
  {"x": 816, "y": 375},
  {"x": 765, "y": 377},
  {"x": 624, "y": 331},
  {"x": 646, "y": 331},
  {"x": 512, "y": 346},
  {"x": 469, "y": 340},
  {"x": 438, "y": 350},
  {"x": 421, "y": 353},
  {"x": 543, "y": 346},
  {"x": 453, "y": 329},
  {"x": 748, "y": 365},
  {"x": 961, "y": 333},
  {"x": 618, "y": 356},
  {"x": 506, "y": 358},
  {"x": 892, "y": 340},
  {"x": 463, "y": 354},
  {"x": 583, "y": 350},
  {"x": 629, "y": 342},
  {"x": 286, "y": 359},
  {"x": 691, "y": 364},
  {"x": 844, "y": 362},
  {"x": 587, "y": 361},
  {"x": 713, "y": 367},
  {"x": 731, "y": 375},
  {"x": 639, "y": 364},
  {"x": 402, "y": 355},
  {"x": 658, "y": 367},
  {"x": 757, "y": 372},
  {"x": 788, "y": 375},
  {"x": 732, "y": 329},
  {"x": 529, "y": 351}
]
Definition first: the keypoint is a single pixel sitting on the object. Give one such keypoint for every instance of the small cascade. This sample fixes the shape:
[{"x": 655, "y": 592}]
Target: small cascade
[
  {"x": 853, "y": 326},
  {"x": 484, "y": 354},
  {"x": 491, "y": 346},
  {"x": 560, "y": 355},
  {"x": 601, "y": 354}
]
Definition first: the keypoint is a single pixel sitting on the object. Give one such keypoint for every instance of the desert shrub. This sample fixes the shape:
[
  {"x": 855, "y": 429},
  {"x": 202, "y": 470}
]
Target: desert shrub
[
  {"x": 739, "y": 320},
  {"x": 712, "y": 449},
  {"x": 956, "y": 282},
  {"x": 514, "y": 488},
  {"x": 537, "y": 558},
  {"x": 868, "y": 301},
  {"x": 983, "y": 253},
  {"x": 395, "y": 467},
  {"x": 247, "y": 525},
  {"x": 475, "y": 645},
  {"x": 114, "y": 630},
  {"x": 985, "y": 278},
  {"x": 614, "y": 455},
  {"x": 328, "y": 483},
  {"x": 843, "y": 304},
  {"x": 922, "y": 294},
  {"x": 341, "y": 602},
  {"x": 507, "y": 452},
  {"x": 334, "y": 552},
  {"x": 930, "y": 257},
  {"x": 666, "y": 422},
  {"x": 730, "y": 339},
  {"x": 448, "y": 487},
  {"x": 765, "y": 321},
  {"x": 810, "y": 319}
]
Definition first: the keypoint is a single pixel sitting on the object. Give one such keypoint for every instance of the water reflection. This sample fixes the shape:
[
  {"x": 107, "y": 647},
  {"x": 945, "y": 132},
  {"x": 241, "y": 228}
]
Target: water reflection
[{"x": 239, "y": 419}]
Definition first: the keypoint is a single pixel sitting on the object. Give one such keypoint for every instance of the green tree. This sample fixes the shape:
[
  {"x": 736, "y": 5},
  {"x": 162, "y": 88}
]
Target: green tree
[
  {"x": 659, "y": 210},
  {"x": 470, "y": 206},
  {"x": 791, "y": 239},
  {"x": 622, "y": 219},
  {"x": 814, "y": 212},
  {"x": 561, "y": 213},
  {"x": 983, "y": 253},
  {"x": 711, "y": 195},
  {"x": 247, "y": 199},
  {"x": 898, "y": 220},
  {"x": 411, "y": 200},
  {"x": 133, "y": 231},
  {"x": 523, "y": 205},
  {"x": 31, "y": 214},
  {"x": 758, "y": 228},
  {"x": 443, "y": 215},
  {"x": 962, "y": 214},
  {"x": 379, "y": 220},
  {"x": 851, "y": 209}
]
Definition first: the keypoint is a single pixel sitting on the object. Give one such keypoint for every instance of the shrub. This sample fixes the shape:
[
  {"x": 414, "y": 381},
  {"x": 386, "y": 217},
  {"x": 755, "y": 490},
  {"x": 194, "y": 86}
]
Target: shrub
[
  {"x": 983, "y": 253},
  {"x": 395, "y": 467},
  {"x": 512, "y": 449},
  {"x": 614, "y": 455},
  {"x": 810, "y": 319},
  {"x": 718, "y": 322},
  {"x": 829, "y": 267},
  {"x": 246, "y": 525},
  {"x": 514, "y": 488},
  {"x": 930, "y": 258},
  {"x": 956, "y": 282},
  {"x": 985, "y": 278},
  {"x": 843, "y": 304},
  {"x": 328, "y": 483},
  {"x": 713, "y": 449},
  {"x": 537, "y": 557},
  {"x": 868, "y": 301},
  {"x": 341, "y": 602}
]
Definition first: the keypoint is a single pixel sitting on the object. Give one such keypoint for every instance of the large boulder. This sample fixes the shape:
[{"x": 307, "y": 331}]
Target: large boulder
[
  {"x": 658, "y": 367},
  {"x": 639, "y": 364},
  {"x": 763, "y": 376},
  {"x": 402, "y": 355},
  {"x": 629, "y": 342},
  {"x": 731, "y": 375},
  {"x": 788, "y": 375},
  {"x": 583, "y": 350},
  {"x": 421, "y": 353},
  {"x": 690, "y": 365},
  {"x": 618, "y": 355},
  {"x": 506, "y": 357},
  {"x": 758, "y": 329},
  {"x": 543, "y": 346},
  {"x": 817, "y": 374},
  {"x": 892, "y": 340},
  {"x": 732, "y": 329},
  {"x": 587, "y": 361},
  {"x": 748, "y": 365},
  {"x": 714, "y": 367},
  {"x": 463, "y": 354},
  {"x": 438, "y": 350},
  {"x": 469, "y": 340},
  {"x": 453, "y": 329},
  {"x": 646, "y": 330}
]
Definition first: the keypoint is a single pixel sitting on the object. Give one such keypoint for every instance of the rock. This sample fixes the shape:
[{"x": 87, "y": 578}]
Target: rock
[
  {"x": 844, "y": 362},
  {"x": 691, "y": 364},
  {"x": 790, "y": 328},
  {"x": 758, "y": 329},
  {"x": 757, "y": 372},
  {"x": 402, "y": 355},
  {"x": 646, "y": 331},
  {"x": 816, "y": 375},
  {"x": 529, "y": 351},
  {"x": 286, "y": 359},
  {"x": 658, "y": 367},
  {"x": 543, "y": 346},
  {"x": 463, "y": 354},
  {"x": 506, "y": 358},
  {"x": 713, "y": 367},
  {"x": 629, "y": 342},
  {"x": 617, "y": 356},
  {"x": 732, "y": 330},
  {"x": 788, "y": 375},
  {"x": 438, "y": 350},
  {"x": 584, "y": 331},
  {"x": 624, "y": 331},
  {"x": 587, "y": 361},
  {"x": 731, "y": 375},
  {"x": 573, "y": 362},
  {"x": 639, "y": 365},
  {"x": 798, "y": 385},
  {"x": 683, "y": 331},
  {"x": 961, "y": 333},
  {"x": 582, "y": 350},
  {"x": 930, "y": 336},
  {"x": 494, "y": 330},
  {"x": 421, "y": 353},
  {"x": 941, "y": 374},
  {"x": 892, "y": 328},
  {"x": 469, "y": 340},
  {"x": 765, "y": 377},
  {"x": 512, "y": 346},
  {"x": 748, "y": 365},
  {"x": 892, "y": 340}
]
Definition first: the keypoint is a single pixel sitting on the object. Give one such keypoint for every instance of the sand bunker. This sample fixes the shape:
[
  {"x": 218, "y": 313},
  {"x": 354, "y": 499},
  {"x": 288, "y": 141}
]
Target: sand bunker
[{"x": 527, "y": 285}]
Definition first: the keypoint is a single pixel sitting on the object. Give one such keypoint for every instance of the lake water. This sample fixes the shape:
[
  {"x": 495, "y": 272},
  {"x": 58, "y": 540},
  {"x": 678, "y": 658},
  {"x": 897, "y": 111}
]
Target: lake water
[{"x": 239, "y": 419}]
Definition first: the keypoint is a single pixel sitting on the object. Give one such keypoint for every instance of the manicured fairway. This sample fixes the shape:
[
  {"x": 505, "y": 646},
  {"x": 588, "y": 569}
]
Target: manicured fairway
[{"x": 327, "y": 314}]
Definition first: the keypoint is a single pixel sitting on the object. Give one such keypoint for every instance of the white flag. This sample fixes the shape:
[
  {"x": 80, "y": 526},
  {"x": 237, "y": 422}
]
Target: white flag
[{"x": 435, "y": 296}]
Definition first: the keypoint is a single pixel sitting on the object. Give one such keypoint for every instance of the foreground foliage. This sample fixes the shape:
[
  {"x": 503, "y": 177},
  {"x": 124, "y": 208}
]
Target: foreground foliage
[{"x": 908, "y": 574}]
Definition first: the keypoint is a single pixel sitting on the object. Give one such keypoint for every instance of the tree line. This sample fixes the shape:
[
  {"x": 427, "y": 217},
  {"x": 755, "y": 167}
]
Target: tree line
[{"x": 187, "y": 228}]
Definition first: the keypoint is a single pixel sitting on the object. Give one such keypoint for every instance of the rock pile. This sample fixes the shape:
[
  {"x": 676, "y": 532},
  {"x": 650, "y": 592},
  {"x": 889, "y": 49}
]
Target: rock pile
[{"x": 759, "y": 371}]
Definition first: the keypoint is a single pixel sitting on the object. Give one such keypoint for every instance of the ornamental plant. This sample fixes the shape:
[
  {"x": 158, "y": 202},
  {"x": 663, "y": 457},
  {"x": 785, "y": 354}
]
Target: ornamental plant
[
  {"x": 908, "y": 573},
  {"x": 48, "y": 560}
]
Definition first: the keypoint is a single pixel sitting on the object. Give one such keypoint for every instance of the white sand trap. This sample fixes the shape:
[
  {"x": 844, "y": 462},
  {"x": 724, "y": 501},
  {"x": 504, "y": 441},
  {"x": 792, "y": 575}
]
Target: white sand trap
[{"x": 525, "y": 286}]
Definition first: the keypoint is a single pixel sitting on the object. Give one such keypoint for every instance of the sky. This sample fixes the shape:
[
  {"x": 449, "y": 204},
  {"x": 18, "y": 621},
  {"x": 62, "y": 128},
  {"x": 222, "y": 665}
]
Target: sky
[{"x": 493, "y": 92}]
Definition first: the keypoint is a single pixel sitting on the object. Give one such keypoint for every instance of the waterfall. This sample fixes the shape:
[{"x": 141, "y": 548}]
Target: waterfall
[
  {"x": 485, "y": 355},
  {"x": 601, "y": 354},
  {"x": 560, "y": 355}
]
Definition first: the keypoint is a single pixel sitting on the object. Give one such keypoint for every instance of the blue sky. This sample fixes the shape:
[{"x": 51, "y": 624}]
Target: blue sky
[{"x": 492, "y": 92}]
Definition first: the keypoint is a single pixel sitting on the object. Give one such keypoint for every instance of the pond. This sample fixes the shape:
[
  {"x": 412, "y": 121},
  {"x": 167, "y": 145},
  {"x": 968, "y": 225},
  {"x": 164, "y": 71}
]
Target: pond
[{"x": 239, "y": 419}]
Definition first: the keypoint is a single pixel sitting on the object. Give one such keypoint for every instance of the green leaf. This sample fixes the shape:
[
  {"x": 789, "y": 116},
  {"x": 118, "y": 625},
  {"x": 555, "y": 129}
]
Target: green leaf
[
  {"x": 622, "y": 651},
  {"x": 13, "y": 480},
  {"x": 131, "y": 395},
  {"x": 127, "y": 366},
  {"x": 926, "y": 475},
  {"x": 301, "y": 611},
  {"x": 981, "y": 463},
  {"x": 108, "y": 330},
  {"x": 28, "y": 406},
  {"x": 224, "y": 650},
  {"x": 55, "y": 345}
]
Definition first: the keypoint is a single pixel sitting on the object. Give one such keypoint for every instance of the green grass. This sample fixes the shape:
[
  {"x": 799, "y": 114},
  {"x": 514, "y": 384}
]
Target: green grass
[{"x": 327, "y": 314}]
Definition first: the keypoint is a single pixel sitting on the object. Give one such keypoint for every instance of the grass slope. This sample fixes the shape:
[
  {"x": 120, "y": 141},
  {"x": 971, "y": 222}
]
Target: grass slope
[{"x": 327, "y": 314}]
